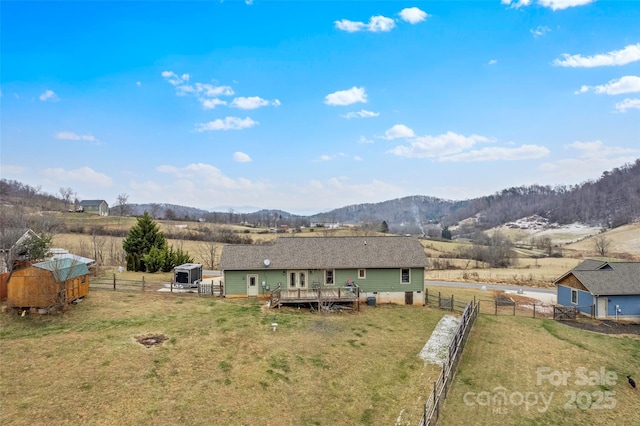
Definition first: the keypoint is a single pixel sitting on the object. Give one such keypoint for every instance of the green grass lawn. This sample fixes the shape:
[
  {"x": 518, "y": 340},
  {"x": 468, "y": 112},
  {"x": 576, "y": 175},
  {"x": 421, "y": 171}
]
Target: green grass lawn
[
  {"x": 221, "y": 364},
  {"x": 541, "y": 365}
]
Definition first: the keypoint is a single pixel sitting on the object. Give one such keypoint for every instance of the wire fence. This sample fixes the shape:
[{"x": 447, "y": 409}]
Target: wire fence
[{"x": 501, "y": 305}]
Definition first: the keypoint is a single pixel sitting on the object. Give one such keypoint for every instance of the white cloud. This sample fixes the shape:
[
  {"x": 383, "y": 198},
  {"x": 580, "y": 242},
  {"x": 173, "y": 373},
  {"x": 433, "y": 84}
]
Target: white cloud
[
  {"x": 229, "y": 123},
  {"x": 398, "y": 131},
  {"x": 206, "y": 93},
  {"x": 413, "y": 15},
  {"x": 200, "y": 175},
  {"x": 628, "y": 103},
  {"x": 363, "y": 113},
  {"x": 138, "y": 83},
  {"x": 211, "y": 103},
  {"x": 326, "y": 157},
  {"x": 346, "y": 97},
  {"x": 524, "y": 152},
  {"x": 357, "y": 158},
  {"x": 175, "y": 79},
  {"x": 349, "y": 26},
  {"x": 252, "y": 102},
  {"x": 48, "y": 95},
  {"x": 10, "y": 169},
  {"x": 437, "y": 146},
  {"x": 207, "y": 89},
  {"x": 624, "y": 56},
  {"x": 241, "y": 157},
  {"x": 563, "y": 4},
  {"x": 363, "y": 139},
  {"x": 193, "y": 183},
  {"x": 85, "y": 175},
  {"x": 516, "y": 3},
  {"x": 71, "y": 136},
  {"x": 591, "y": 156},
  {"x": 626, "y": 84},
  {"x": 376, "y": 24},
  {"x": 551, "y": 4},
  {"x": 540, "y": 31},
  {"x": 492, "y": 62}
]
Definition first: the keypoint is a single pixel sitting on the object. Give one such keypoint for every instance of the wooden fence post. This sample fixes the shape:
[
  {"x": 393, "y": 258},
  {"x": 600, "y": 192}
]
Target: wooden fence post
[
  {"x": 171, "y": 286},
  {"x": 143, "y": 283},
  {"x": 114, "y": 282},
  {"x": 514, "y": 309},
  {"x": 534, "y": 310},
  {"x": 496, "y": 307},
  {"x": 452, "y": 302}
]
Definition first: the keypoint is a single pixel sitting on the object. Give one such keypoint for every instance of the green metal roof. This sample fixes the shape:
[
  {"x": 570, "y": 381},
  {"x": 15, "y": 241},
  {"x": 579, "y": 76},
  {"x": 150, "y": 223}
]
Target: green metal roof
[{"x": 64, "y": 269}]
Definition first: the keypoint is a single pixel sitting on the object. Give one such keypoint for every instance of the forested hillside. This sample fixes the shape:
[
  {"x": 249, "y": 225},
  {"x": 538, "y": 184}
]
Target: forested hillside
[{"x": 610, "y": 201}]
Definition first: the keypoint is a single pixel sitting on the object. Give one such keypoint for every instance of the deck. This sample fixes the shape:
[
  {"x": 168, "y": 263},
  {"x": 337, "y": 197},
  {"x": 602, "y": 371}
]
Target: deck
[{"x": 347, "y": 294}]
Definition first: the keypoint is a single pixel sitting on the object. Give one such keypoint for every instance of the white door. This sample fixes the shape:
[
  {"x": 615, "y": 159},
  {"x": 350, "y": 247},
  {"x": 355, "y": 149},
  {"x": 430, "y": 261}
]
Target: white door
[
  {"x": 297, "y": 279},
  {"x": 602, "y": 307},
  {"x": 252, "y": 285}
]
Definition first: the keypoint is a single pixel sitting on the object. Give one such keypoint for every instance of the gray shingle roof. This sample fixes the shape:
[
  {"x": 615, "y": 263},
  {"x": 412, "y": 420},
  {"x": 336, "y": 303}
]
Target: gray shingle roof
[
  {"x": 326, "y": 253},
  {"x": 91, "y": 202},
  {"x": 609, "y": 278}
]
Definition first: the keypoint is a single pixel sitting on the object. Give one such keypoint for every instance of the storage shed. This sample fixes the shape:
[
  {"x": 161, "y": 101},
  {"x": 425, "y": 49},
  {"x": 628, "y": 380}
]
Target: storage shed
[{"x": 48, "y": 284}]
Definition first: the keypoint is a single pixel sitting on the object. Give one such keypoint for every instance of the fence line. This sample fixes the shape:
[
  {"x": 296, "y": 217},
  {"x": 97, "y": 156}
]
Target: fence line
[
  {"x": 119, "y": 284},
  {"x": 500, "y": 306},
  {"x": 431, "y": 411}
]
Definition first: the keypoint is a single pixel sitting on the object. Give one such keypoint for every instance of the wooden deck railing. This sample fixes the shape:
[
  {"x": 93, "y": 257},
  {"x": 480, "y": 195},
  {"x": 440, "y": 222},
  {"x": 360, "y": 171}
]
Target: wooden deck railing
[{"x": 279, "y": 296}]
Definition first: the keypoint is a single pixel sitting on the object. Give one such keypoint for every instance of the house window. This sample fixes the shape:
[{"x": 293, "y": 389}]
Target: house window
[
  {"x": 84, "y": 278},
  {"x": 362, "y": 274},
  {"x": 328, "y": 277},
  {"x": 574, "y": 297},
  {"x": 405, "y": 276}
]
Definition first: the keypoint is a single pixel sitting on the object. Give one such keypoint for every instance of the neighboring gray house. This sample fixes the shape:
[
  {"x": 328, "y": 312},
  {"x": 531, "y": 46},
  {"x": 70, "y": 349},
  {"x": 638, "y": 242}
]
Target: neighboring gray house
[
  {"x": 12, "y": 246},
  {"x": 95, "y": 206},
  {"x": 612, "y": 288},
  {"x": 391, "y": 269}
]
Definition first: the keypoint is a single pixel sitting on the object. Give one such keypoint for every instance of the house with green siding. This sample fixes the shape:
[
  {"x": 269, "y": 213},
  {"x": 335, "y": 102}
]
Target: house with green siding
[
  {"x": 389, "y": 269},
  {"x": 95, "y": 207}
]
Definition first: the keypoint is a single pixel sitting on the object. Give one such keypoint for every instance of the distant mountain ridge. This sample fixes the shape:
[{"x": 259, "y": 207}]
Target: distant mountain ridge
[{"x": 610, "y": 201}]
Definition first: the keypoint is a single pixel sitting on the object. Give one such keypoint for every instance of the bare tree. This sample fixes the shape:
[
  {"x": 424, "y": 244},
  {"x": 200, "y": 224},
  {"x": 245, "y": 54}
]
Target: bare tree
[
  {"x": 66, "y": 194},
  {"x": 121, "y": 203},
  {"x": 99, "y": 242},
  {"x": 116, "y": 252},
  {"x": 602, "y": 244},
  {"x": 208, "y": 252}
]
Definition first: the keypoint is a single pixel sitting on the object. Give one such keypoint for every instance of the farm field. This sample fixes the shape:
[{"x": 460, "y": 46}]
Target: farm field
[
  {"x": 525, "y": 360},
  {"x": 220, "y": 360},
  {"x": 527, "y": 272}
]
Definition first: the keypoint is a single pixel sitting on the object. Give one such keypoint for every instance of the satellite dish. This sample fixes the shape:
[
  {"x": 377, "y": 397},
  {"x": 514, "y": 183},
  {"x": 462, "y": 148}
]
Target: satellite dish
[{"x": 267, "y": 262}]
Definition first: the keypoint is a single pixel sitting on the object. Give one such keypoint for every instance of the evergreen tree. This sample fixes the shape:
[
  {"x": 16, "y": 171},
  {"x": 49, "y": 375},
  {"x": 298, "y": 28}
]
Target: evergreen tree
[
  {"x": 384, "y": 227},
  {"x": 144, "y": 236},
  {"x": 446, "y": 233}
]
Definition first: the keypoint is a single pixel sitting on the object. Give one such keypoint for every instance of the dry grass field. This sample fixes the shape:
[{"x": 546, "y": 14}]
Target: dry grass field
[
  {"x": 221, "y": 363},
  {"x": 520, "y": 371}
]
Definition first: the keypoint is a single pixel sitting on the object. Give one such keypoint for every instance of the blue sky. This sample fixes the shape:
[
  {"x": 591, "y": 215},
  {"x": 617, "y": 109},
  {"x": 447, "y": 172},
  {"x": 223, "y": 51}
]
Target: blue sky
[{"x": 307, "y": 106}]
